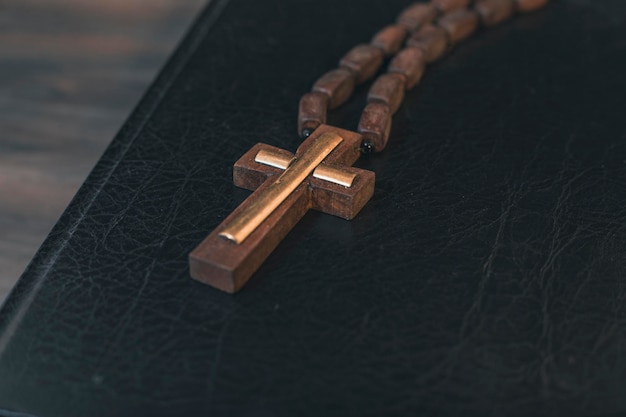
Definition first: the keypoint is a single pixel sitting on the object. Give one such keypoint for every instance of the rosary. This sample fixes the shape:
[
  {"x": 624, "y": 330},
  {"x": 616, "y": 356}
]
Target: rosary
[{"x": 320, "y": 175}]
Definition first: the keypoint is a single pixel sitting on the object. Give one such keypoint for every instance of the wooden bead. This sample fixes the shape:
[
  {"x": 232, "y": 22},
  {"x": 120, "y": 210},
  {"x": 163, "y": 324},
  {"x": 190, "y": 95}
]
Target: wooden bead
[
  {"x": 390, "y": 39},
  {"x": 459, "y": 24},
  {"x": 432, "y": 40},
  {"x": 417, "y": 15},
  {"x": 410, "y": 62},
  {"x": 337, "y": 84},
  {"x": 312, "y": 111},
  {"x": 375, "y": 125},
  {"x": 446, "y": 6},
  {"x": 363, "y": 60},
  {"x": 529, "y": 5},
  {"x": 388, "y": 88},
  {"x": 493, "y": 12}
]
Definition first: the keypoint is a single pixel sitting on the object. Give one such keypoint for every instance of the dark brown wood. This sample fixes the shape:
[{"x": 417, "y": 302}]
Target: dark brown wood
[
  {"x": 228, "y": 266},
  {"x": 388, "y": 88},
  {"x": 340, "y": 201},
  {"x": 411, "y": 63},
  {"x": 363, "y": 60},
  {"x": 312, "y": 111},
  {"x": 249, "y": 174},
  {"x": 525, "y": 6},
  {"x": 375, "y": 125},
  {"x": 446, "y": 6},
  {"x": 459, "y": 24},
  {"x": 72, "y": 71},
  {"x": 432, "y": 40},
  {"x": 337, "y": 84},
  {"x": 493, "y": 12},
  {"x": 417, "y": 15},
  {"x": 390, "y": 39}
]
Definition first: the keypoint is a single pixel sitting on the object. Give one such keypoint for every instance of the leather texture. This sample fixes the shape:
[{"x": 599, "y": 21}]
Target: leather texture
[{"x": 486, "y": 276}]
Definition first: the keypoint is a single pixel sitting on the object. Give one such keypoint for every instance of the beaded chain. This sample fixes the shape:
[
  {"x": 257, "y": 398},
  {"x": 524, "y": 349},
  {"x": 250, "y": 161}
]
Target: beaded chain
[{"x": 423, "y": 33}]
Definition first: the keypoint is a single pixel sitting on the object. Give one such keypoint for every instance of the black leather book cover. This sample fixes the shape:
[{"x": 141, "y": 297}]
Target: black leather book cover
[{"x": 486, "y": 276}]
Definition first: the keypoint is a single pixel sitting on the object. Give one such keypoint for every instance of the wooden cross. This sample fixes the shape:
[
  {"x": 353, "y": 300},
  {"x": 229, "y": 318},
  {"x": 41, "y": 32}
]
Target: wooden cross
[{"x": 319, "y": 177}]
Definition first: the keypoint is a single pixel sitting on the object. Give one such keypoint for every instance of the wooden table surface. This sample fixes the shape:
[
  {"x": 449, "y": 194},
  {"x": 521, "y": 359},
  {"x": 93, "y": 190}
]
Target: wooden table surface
[{"x": 71, "y": 71}]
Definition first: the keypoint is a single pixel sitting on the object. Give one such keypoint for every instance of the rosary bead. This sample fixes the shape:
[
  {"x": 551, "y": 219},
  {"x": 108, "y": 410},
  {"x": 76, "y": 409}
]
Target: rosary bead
[
  {"x": 459, "y": 24},
  {"x": 529, "y": 5},
  {"x": 375, "y": 125},
  {"x": 432, "y": 40},
  {"x": 363, "y": 60},
  {"x": 337, "y": 84},
  {"x": 388, "y": 88},
  {"x": 390, "y": 39},
  {"x": 446, "y": 6},
  {"x": 416, "y": 16},
  {"x": 312, "y": 111},
  {"x": 410, "y": 62},
  {"x": 493, "y": 12}
]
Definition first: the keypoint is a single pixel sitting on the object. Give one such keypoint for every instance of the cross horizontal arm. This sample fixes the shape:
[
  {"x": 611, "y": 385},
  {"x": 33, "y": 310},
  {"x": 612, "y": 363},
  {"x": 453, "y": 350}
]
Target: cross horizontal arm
[{"x": 323, "y": 171}]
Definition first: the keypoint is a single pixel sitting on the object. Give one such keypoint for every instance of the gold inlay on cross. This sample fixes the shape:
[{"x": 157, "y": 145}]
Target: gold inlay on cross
[{"x": 296, "y": 171}]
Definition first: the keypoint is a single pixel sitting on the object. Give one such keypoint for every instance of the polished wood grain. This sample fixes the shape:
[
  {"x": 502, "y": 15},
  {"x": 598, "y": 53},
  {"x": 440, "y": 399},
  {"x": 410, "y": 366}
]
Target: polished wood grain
[
  {"x": 227, "y": 265},
  {"x": 312, "y": 111},
  {"x": 388, "y": 88},
  {"x": 375, "y": 125},
  {"x": 411, "y": 63},
  {"x": 337, "y": 84},
  {"x": 71, "y": 72}
]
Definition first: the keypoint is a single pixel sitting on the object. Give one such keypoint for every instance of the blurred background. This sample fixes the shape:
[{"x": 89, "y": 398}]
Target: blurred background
[{"x": 71, "y": 71}]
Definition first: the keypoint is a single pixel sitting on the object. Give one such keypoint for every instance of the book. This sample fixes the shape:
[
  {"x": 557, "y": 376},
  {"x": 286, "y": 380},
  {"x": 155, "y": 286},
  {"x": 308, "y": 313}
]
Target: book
[{"x": 485, "y": 276}]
